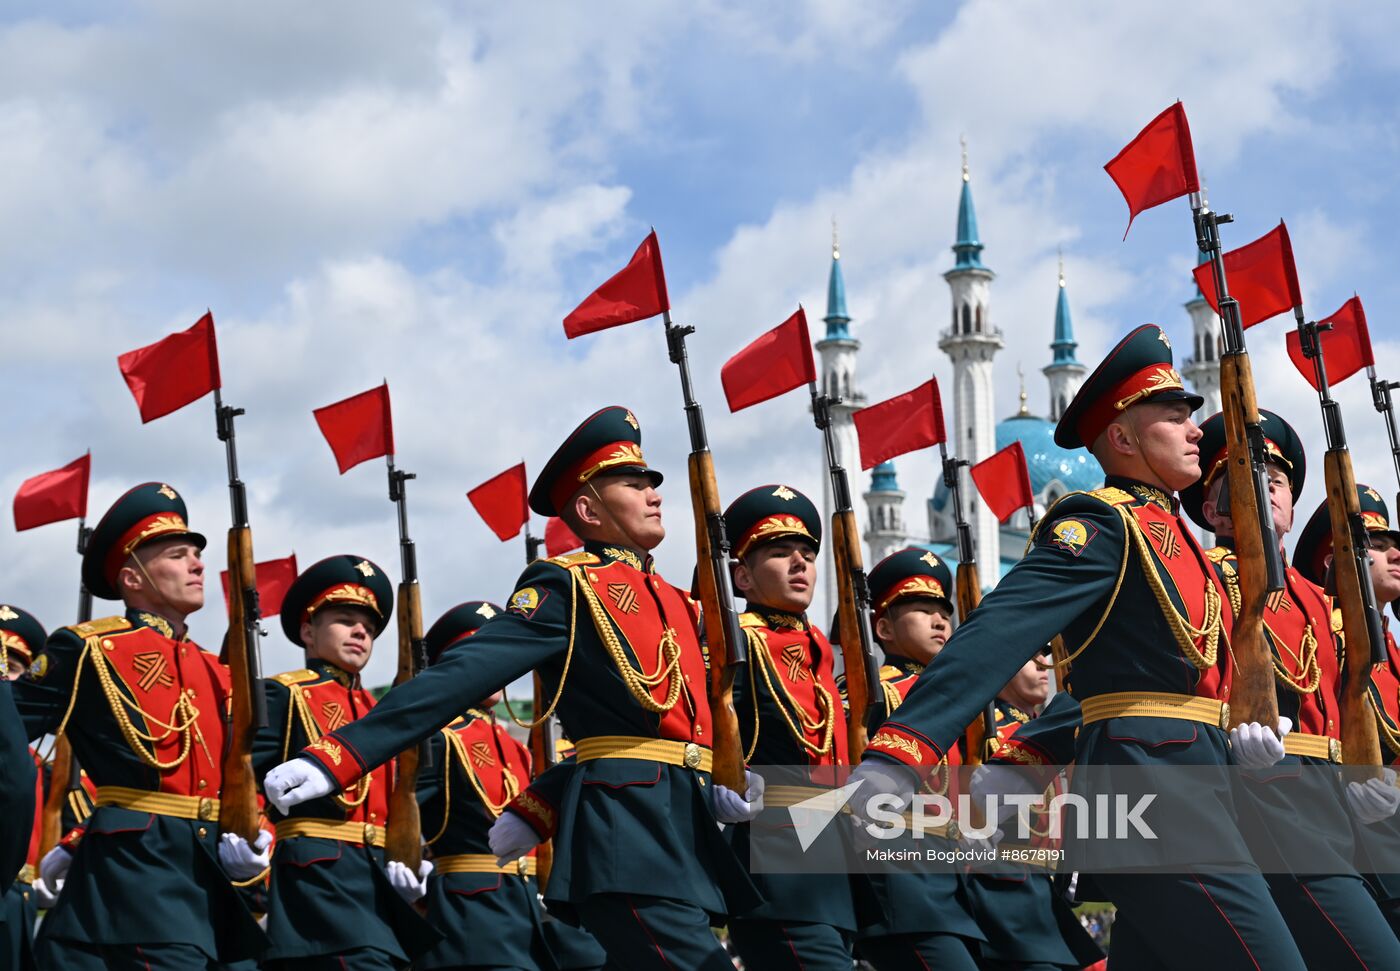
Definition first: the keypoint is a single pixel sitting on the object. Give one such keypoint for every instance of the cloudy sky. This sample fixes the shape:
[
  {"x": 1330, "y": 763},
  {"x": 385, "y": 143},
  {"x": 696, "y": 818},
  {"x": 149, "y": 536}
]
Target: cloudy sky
[{"x": 420, "y": 192}]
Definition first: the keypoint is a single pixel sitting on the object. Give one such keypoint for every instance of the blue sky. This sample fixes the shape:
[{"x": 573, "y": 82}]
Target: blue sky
[{"x": 420, "y": 193}]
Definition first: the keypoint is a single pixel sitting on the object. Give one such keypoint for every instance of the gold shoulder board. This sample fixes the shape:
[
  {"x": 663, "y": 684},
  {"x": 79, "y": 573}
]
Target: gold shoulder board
[
  {"x": 1113, "y": 495},
  {"x": 574, "y": 559},
  {"x": 103, "y": 625},
  {"x": 289, "y": 678}
]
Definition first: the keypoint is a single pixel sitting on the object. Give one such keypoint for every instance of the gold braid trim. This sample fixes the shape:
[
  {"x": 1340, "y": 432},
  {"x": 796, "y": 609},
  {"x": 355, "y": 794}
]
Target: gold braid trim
[
  {"x": 893, "y": 699},
  {"x": 1390, "y": 736},
  {"x": 780, "y": 694},
  {"x": 638, "y": 684},
  {"x": 1182, "y": 629},
  {"x": 511, "y": 784},
  {"x": 313, "y": 735},
  {"x": 182, "y": 717},
  {"x": 1307, "y": 656},
  {"x": 1065, "y": 662},
  {"x": 541, "y": 718}
]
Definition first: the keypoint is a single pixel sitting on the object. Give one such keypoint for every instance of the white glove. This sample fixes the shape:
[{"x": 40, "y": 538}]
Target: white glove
[
  {"x": 730, "y": 807},
  {"x": 1256, "y": 747},
  {"x": 295, "y": 782},
  {"x": 43, "y": 896},
  {"x": 53, "y": 868},
  {"x": 1375, "y": 799},
  {"x": 878, "y": 777},
  {"x": 511, "y": 838},
  {"x": 242, "y": 861},
  {"x": 1000, "y": 781},
  {"x": 411, "y": 888}
]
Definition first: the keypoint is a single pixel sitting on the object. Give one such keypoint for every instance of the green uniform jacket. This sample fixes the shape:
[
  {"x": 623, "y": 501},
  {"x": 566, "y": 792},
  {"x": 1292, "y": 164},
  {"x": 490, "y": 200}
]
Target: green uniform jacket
[
  {"x": 327, "y": 896},
  {"x": 490, "y": 919},
  {"x": 1114, "y": 565},
  {"x": 625, "y": 825},
  {"x": 128, "y": 858}
]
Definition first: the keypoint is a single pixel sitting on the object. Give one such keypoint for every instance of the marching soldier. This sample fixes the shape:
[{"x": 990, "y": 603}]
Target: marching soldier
[
  {"x": 1313, "y": 557},
  {"x": 637, "y": 857},
  {"x": 21, "y": 638},
  {"x": 1119, "y": 574},
  {"x": 1029, "y": 926},
  {"x": 489, "y": 914},
  {"x": 790, "y": 715},
  {"x": 143, "y": 707},
  {"x": 928, "y": 914},
  {"x": 332, "y": 902},
  {"x": 1334, "y": 918}
]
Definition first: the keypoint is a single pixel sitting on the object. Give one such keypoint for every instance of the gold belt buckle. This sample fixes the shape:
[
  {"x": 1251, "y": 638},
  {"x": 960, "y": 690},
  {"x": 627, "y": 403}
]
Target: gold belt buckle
[
  {"x": 521, "y": 867},
  {"x": 369, "y": 834},
  {"x": 1225, "y": 716},
  {"x": 1334, "y": 750},
  {"x": 692, "y": 755},
  {"x": 206, "y": 809}
]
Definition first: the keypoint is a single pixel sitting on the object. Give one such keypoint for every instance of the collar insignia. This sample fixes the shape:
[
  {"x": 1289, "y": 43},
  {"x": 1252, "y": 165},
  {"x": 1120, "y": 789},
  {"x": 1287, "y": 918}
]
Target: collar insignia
[
  {"x": 159, "y": 623},
  {"x": 168, "y": 492},
  {"x": 364, "y": 567},
  {"x": 6, "y": 613},
  {"x": 626, "y": 556},
  {"x": 784, "y": 493}
]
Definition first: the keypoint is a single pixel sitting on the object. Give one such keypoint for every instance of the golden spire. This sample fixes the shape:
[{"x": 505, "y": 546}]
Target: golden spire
[
  {"x": 1061, "y": 251},
  {"x": 962, "y": 140},
  {"x": 835, "y": 241},
  {"x": 1024, "y": 412}
]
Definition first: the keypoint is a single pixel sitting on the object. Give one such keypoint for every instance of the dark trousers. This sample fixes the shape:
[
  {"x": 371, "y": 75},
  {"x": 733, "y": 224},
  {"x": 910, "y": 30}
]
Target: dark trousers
[
  {"x": 73, "y": 956},
  {"x": 1336, "y": 922},
  {"x": 358, "y": 959},
  {"x": 796, "y": 945},
  {"x": 640, "y": 932},
  {"x": 1197, "y": 922},
  {"x": 919, "y": 952}
]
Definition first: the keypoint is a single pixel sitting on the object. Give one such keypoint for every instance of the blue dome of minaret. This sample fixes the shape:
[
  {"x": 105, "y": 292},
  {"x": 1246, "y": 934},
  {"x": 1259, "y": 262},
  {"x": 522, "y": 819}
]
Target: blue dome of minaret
[
  {"x": 1064, "y": 344},
  {"x": 968, "y": 246},
  {"x": 837, "y": 320},
  {"x": 882, "y": 478}
]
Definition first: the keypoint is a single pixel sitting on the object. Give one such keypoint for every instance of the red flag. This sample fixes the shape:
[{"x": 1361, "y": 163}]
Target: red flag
[
  {"x": 774, "y": 364},
  {"x": 501, "y": 501},
  {"x": 635, "y": 292},
  {"x": 1260, "y": 275},
  {"x": 1004, "y": 481},
  {"x": 54, "y": 496},
  {"x": 559, "y": 538},
  {"x": 274, "y": 580},
  {"x": 173, "y": 371},
  {"x": 1346, "y": 348},
  {"x": 359, "y": 428},
  {"x": 911, "y": 421},
  {"x": 1157, "y": 166}
]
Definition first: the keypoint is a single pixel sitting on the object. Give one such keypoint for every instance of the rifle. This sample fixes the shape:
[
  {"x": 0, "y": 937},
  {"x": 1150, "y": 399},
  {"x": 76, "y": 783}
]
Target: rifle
[
  {"x": 981, "y": 735},
  {"x": 727, "y": 649},
  {"x": 65, "y": 775},
  {"x": 403, "y": 835},
  {"x": 541, "y": 738},
  {"x": 864, "y": 698},
  {"x": 1380, "y": 397},
  {"x": 1351, "y": 567},
  {"x": 1256, "y": 545},
  {"x": 238, "y": 796}
]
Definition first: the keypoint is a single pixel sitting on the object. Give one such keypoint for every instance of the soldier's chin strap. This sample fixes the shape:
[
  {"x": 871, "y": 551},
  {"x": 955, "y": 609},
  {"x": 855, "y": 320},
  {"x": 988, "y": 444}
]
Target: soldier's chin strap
[
  {"x": 1131, "y": 424},
  {"x": 617, "y": 524},
  {"x": 156, "y": 589}
]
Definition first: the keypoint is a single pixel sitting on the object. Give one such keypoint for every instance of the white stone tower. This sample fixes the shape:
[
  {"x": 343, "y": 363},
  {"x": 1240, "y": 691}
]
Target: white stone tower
[
  {"x": 838, "y": 351},
  {"x": 972, "y": 342},
  {"x": 884, "y": 505},
  {"x": 1064, "y": 372},
  {"x": 1202, "y": 367}
]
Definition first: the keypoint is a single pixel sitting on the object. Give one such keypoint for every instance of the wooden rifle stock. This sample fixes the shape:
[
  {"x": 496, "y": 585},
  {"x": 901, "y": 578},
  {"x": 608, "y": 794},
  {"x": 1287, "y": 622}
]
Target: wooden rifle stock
[
  {"x": 857, "y": 653},
  {"x": 722, "y": 632},
  {"x": 51, "y": 824},
  {"x": 541, "y": 759},
  {"x": 403, "y": 834},
  {"x": 968, "y": 590},
  {"x": 1360, "y": 741},
  {"x": 238, "y": 797}
]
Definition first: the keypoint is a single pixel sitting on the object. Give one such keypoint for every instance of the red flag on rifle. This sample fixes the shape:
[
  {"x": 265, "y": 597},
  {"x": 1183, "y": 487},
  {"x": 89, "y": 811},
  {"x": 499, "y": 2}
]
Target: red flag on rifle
[
  {"x": 274, "y": 580},
  {"x": 635, "y": 292},
  {"x": 905, "y": 423},
  {"x": 51, "y": 497},
  {"x": 1260, "y": 275},
  {"x": 501, "y": 501},
  {"x": 1004, "y": 481},
  {"x": 774, "y": 364},
  {"x": 559, "y": 538},
  {"x": 359, "y": 428},
  {"x": 174, "y": 371},
  {"x": 1346, "y": 348},
  {"x": 1157, "y": 166}
]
